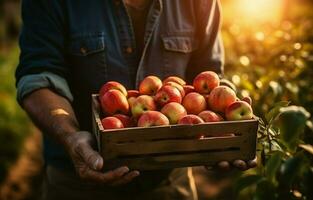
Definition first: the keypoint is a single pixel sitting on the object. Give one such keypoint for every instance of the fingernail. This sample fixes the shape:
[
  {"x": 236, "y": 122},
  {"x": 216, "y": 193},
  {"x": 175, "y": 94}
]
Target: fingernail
[
  {"x": 240, "y": 164},
  {"x": 122, "y": 170},
  {"x": 136, "y": 173},
  {"x": 252, "y": 163},
  {"x": 96, "y": 164}
]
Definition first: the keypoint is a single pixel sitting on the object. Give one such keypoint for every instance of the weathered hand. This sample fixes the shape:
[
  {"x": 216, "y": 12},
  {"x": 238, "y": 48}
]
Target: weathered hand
[
  {"x": 88, "y": 163},
  {"x": 239, "y": 164}
]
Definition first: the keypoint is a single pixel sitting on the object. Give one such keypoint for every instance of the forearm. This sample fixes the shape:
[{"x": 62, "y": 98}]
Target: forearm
[{"x": 51, "y": 113}]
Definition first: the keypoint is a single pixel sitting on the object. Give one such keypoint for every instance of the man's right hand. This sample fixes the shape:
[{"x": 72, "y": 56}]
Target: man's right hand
[
  {"x": 54, "y": 115},
  {"x": 88, "y": 163}
]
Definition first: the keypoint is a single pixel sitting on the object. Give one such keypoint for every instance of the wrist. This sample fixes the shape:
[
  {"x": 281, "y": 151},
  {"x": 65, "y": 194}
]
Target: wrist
[{"x": 64, "y": 129}]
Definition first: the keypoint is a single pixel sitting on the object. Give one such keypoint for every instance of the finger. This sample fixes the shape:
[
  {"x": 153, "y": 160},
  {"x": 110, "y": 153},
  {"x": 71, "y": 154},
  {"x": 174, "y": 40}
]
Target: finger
[
  {"x": 127, "y": 178},
  {"x": 223, "y": 165},
  {"x": 240, "y": 164},
  {"x": 110, "y": 176},
  {"x": 252, "y": 163},
  {"x": 92, "y": 158},
  {"x": 210, "y": 168}
]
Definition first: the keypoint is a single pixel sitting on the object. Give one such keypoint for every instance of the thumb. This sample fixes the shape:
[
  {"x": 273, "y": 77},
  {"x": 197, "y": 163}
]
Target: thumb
[{"x": 91, "y": 157}]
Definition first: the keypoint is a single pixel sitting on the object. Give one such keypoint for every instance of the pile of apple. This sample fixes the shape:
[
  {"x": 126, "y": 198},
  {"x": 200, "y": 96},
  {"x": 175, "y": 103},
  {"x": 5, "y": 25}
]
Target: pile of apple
[{"x": 171, "y": 101}]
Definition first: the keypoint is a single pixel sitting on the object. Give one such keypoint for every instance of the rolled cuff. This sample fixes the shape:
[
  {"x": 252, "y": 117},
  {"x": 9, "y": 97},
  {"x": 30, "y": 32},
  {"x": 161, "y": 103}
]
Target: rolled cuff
[{"x": 29, "y": 83}]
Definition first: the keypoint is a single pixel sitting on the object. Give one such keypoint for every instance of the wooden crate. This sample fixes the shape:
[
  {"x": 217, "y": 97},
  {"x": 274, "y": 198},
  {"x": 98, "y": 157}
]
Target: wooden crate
[{"x": 176, "y": 145}]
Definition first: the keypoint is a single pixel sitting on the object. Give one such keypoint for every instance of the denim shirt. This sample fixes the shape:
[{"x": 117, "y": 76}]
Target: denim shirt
[{"x": 75, "y": 46}]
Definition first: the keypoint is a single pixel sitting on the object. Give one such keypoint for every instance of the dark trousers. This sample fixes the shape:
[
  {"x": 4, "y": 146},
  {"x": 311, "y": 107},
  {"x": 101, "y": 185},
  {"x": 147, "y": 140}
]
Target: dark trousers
[{"x": 60, "y": 185}]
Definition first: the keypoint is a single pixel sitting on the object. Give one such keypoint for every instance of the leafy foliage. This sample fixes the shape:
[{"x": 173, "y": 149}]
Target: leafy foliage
[
  {"x": 273, "y": 64},
  {"x": 14, "y": 126}
]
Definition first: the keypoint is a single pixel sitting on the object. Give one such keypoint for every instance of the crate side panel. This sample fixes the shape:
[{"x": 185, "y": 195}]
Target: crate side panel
[{"x": 167, "y": 146}]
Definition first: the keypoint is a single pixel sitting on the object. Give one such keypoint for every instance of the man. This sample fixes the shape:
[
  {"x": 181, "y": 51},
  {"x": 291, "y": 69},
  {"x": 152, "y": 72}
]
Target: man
[{"x": 70, "y": 48}]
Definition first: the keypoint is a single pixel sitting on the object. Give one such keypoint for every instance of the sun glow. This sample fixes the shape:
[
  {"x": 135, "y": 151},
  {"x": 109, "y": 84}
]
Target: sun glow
[{"x": 253, "y": 11}]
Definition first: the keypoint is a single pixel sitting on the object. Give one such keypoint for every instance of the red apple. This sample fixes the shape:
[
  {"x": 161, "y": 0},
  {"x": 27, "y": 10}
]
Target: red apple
[
  {"x": 188, "y": 89},
  {"x": 150, "y": 85},
  {"x": 177, "y": 86},
  {"x": 132, "y": 93},
  {"x": 126, "y": 120},
  {"x": 152, "y": 118},
  {"x": 239, "y": 110},
  {"x": 175, "y": 79},
  {"x": 174, "y": 111},
  {"x": 190, "y": 119},
  {"x": 248, "y": 100},
  {"x": 142, "y": 104},
  {"x": 114, "y": 102},
  {"x": 194, "y": 103},
  {"x": 167, "y": 94},
  {"x": 220, "y": 98},
  {"x": 205, "y": 82},
  {"x": 111, "y": 123},
  {"x": 112, "y": 85},
  {"x": 210, "y": 116}
]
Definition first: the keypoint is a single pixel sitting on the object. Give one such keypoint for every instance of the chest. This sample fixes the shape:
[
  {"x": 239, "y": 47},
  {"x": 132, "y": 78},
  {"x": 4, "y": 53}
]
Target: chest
[{"x": 102, "y": 43}]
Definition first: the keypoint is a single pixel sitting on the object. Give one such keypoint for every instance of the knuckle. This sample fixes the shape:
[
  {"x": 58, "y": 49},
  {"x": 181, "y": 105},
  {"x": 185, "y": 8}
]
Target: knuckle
[{"x": 82, "y": 173}]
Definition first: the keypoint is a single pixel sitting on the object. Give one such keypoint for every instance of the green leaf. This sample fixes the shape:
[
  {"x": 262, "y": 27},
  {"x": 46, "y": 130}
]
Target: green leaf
[
  {"x": 273, "y": 165},
  {"x": 291, "y": 122},
  {"x": 290, "y": 170},
  {"x": 308, "y": 182},
  {"x": 307, "y": 147},
  {"x": 246, "y": 181},
  {"x": 275, "y": 111},
  {"x": 265, "y": 190}
]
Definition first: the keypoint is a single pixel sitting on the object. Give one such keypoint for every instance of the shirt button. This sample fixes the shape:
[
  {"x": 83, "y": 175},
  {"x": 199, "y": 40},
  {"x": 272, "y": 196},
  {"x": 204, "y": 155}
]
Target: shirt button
[{"x": 129, "y": 50}]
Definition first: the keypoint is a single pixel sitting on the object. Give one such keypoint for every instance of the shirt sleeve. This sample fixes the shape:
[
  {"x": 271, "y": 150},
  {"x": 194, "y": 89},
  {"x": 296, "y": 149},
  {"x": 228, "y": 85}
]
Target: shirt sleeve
[
  {"x": 210, "y": 52},
  {"x": 42, "y": 44},
  {"x": 32, "y": 82}
]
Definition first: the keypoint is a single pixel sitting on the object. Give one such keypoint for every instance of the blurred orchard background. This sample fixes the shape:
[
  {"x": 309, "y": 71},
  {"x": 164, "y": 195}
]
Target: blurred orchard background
[{"x": 269, "y": 56}]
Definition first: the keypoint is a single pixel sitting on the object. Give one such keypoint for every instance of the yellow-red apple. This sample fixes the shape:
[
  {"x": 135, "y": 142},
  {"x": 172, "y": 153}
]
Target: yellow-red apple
[
  {"x": 194, "y": 103},
  {"x": 142, "y": 104},
  {"x": 174, "y": 111},
  {"x": 177, "y": 86},
  {"x": 205, "y": 82},
  {"x": 131, "y": 100},
  {"x": 210, "y": 116},
  {"x": 150, "y": 85},
  {"x": 175, "y": 79},
  {"x": 220, "y": 98},
  {"x": 132, "y": 93},
  {"x": 188, "y": 89},
  {"x": 111, "y": 123},
  {"x": 112, "y": 85},
  {"x": 190, "y": 119},
  {"x": 126, "y": 120},
  {"x": 248, "y": 100},
  {"x": 239, "y": 110},
  {"x": 167, "y": 94},
  {"x": 114, "y": 102},
  {"x": 152, "y": 118}
]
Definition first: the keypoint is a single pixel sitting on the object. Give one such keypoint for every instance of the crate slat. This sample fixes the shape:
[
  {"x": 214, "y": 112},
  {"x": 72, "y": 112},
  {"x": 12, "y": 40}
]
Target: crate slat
[
  {"x": 178, "y": 131},
  {"x": 139, "y": 148},
  {"x": 166, "y": 162}
]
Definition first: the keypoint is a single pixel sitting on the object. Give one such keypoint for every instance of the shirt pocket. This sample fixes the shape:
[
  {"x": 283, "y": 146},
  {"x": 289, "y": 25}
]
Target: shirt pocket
[
  {"x": 87, "y": 61},
  {"x": 177, "y": 52}
]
